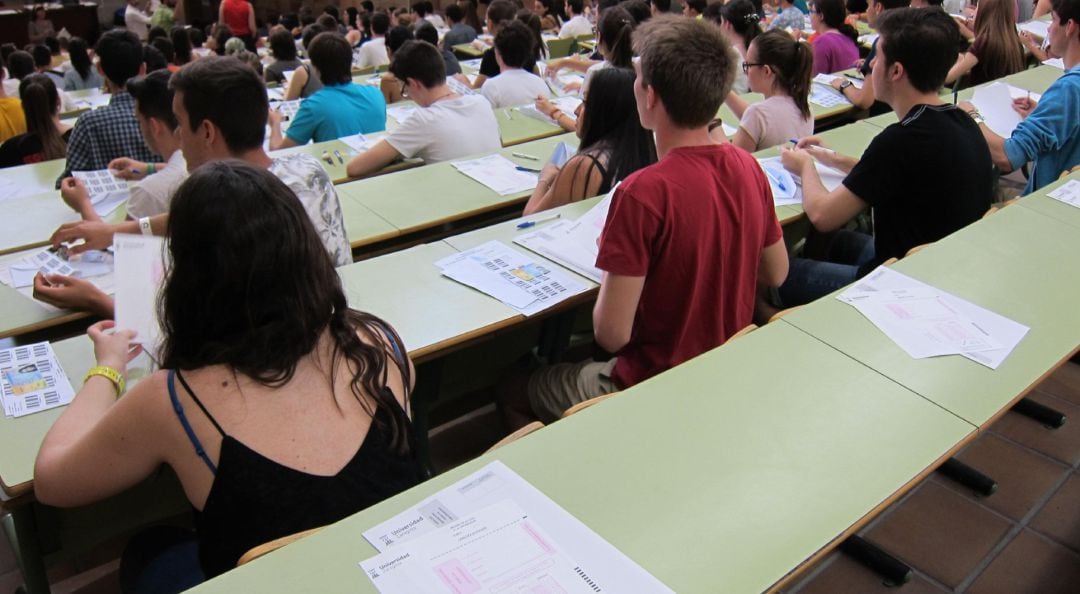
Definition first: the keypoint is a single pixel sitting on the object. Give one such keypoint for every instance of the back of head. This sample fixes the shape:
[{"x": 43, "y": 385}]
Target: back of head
[
  {"x": 697, "y": 6},
  {"x": 327, "y": 22},
  {"x": 234, "y": 46},
  {"x": 689, "y": 65},
  {"x": 53, "y": 44},
  {"x": 454, "y": 13},
  {"x": 222, "y": 35},
  {"x": 40, "y": 103},
  {"x": 923, "y": 41},
  {"x": 368, "y": 5},
  {"x": 156, "y": 32},
  {"x": 181, "y": 45},
  {"x": 6, "y": 49},
  {"x": 611, "y": 122},
  {"x": 396, "y": 37},
  {"x": 163, "y": 45},
  {"x": 421, "y": 61},
  {"x": 995, "y": 28},
  {"x": 228, "y": 94},
  {"x": 309, "y": 33},
  {"x": 425, "y": 31},
  {"x": 333, "y": 12},
  {"x": 576, "y": 6},
  {"x": 21, "y": 64},
  {"x": 420, "y": 9},
  {"x": 834, "y": 14},
  {"x": 1066, "y": 10},
  {"x": 532, "y": 22},
  {"x": 616, "y": 31},
  {"x": 515, "y": 44},
  {"x": 501, "y": 11},
  {"x": 662, "y": 6},
  {"x": 793, "y": 63},
  {"x": 154, "y": 59},
  {"x": 744, "y": 19},
  {"x": 282, "y": 45},
  {"x": 42, "y": 56},
  {"x": 154, "y": 97},
  {"x": 638, "y": 9},
  {"x": 380, "y": 23},
  {"x": 80, "y": 59},
  {"x": 331, "y": 54},
  {"x": 196, "y": 36},
  {"x": 891, "y": 4}
]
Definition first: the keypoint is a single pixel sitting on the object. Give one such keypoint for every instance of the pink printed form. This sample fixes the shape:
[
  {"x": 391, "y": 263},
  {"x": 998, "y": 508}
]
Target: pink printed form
[
  {"x": 543, "y": 544},
  {"x": 457, "y": 578}
]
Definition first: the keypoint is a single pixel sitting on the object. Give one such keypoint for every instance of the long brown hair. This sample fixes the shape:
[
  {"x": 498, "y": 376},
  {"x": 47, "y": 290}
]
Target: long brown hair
[
  {"x": 40, "y": 102},
  {"x": 792, "y": 62},
  {"x": 995, "y": 29},
  {"x": 251, "y": 287}
]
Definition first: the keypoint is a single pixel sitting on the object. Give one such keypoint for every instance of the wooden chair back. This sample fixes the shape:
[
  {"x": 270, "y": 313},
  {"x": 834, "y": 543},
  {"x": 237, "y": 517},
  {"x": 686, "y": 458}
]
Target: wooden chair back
[
  {"x": 586, "y": 404},
  {"x": 274, "y": 545},
  {"x": 527, "y": 429}
]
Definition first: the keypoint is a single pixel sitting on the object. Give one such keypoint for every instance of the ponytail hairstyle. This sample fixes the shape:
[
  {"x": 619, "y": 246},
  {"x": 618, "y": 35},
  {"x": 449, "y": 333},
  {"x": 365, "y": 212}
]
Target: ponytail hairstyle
[
  {"x": 181, "y": 45},
  {"x": 40, "y": 103},
  {"x": 743, "y": 18},
  {"x": 80, "y": 60},
  {"x": 532, "y": 23},
  {"x": 833, "y": 13},
  {"x": 615, "y": 29},
  {"x": 792, "y": 62}
]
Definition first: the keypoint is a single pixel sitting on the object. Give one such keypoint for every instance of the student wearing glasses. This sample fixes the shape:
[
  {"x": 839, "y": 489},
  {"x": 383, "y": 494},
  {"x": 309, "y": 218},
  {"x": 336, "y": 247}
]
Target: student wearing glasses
[{"x": 778, "y": 67}]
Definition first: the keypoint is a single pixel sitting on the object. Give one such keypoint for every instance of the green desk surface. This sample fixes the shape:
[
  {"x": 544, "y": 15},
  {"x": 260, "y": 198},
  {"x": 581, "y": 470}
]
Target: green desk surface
[
  {"x": 744, "y": 469},
  {"x": 1036, "y": 79},
  {"x": 517, "y": 128},
  {"x": 427, "y": 196},
  {"x": 428, "y": 310},
  {"x": 29, "y": 222},
  {"x": 334, "y": 167},
  {"x": 1009, "y": 263},
  {"x": 1040, "y": 202},
  {"x": 882, "y": 121},
  {"x": 22, "y": 315}
]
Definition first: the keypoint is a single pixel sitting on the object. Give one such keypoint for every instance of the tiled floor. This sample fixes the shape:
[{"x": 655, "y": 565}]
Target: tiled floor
[{"x": 1025, "y": 538}]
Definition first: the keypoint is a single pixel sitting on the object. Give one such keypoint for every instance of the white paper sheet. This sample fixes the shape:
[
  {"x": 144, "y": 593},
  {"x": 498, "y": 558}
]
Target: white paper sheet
[
  {"x": 1069, "y": 193},
  {"x": 826, "y": 79},
  {"x": 1001, "y": 330},
  {"x": 493, "y": 484},
  {"x": 32, "y": 380},
  {"x": 510, "y": 276},
  {"x": 784, "y": 188},
  {"x": 140, "y": 269},
  {"x": 459, "y": 87},
  {"x": 1056, "y": 63},
  {"x": 561, "y": 154},
  {"x": 359, "y": 143},
  {"x": 826, "y": 96},
  {"x": 994, "y": 102},
  {"x": 572, "y": 243},
  {"x": 107, "y": 192},
  {"x": 400, "y": 113},
  {"x": 1039, "y": 29},
  {"x": 498, "y": 173}
]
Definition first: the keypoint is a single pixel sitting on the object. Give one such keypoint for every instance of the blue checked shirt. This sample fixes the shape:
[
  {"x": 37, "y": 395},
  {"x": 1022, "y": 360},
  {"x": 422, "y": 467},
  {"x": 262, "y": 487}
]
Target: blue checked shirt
[{"x": 104, "y": 134}]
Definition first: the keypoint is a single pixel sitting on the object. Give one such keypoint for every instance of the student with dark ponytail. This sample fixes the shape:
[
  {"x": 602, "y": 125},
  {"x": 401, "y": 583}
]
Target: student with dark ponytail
[
  {"x": 45, "y": 137},
  {"x": 739, "y": 20},
  {"x": 82, "y": 75},
  {"x": 778, "y": 67},
  {"x": 836, "y": 45}
]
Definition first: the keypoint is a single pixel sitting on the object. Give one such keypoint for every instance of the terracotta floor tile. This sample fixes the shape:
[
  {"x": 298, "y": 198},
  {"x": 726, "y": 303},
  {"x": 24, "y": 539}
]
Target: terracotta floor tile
[
  {"x": 1060, "y": 518},
  {"x": 1030, "y": 563},
  {"x": 1023, "y": 477},
  {"x": 844, "y": 575},
  {"x": 940, "y": 532},
  {"x": 1063, "y": 383},
  {"x": 1061, "y": 444}
]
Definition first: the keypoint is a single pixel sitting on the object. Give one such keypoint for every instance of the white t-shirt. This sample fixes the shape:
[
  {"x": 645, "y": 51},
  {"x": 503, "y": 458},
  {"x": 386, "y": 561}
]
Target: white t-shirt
[
  {"x": 590, "y": 73},
  {"x": 514, "y": 87},
  {"x": 436, "y": 20},
  {"x": 309, "y": 181},
  {"x": 579, "y": 25},
  {"x": 137, "y": 21},
  {"x": 449, "y": 129},
  {"x": 152, "y": 195},
  {"x": 373, "y": 53}
]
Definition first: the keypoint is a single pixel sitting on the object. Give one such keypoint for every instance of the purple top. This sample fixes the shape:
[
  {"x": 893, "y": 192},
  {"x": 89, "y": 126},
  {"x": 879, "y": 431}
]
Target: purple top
[{"x": 833, "y": 52}]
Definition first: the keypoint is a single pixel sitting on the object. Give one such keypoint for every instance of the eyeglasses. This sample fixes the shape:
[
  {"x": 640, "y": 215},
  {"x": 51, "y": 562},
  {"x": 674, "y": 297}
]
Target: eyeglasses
[{"x": 746, "y": 66}]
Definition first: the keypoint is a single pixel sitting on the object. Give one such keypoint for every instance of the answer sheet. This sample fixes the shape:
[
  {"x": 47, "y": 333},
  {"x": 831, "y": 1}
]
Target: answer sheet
[
  {"x": 931, "y": 320},
  {"x": 1069, "y": 193},
  {"x": 107, "y": 192},
  {"x": 32, "y": 380},
  {"x": 826, "y": 96},
  {"x": 994, "y": 102},
  {"x": 140, "y": 270},
  {"x": 572, "y": 243},
  {"x": 540, "y": 542},
  {"x": 498, "y": 173}
]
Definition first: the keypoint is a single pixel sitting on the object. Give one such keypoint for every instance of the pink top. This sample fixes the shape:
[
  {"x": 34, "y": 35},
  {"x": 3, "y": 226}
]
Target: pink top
[
  {"x": 235, "y": 16},
  {"x": 833, "y": 52}
]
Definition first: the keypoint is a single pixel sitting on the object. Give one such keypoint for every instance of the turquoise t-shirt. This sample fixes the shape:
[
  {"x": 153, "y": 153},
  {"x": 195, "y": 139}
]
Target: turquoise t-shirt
[{"x": 336, "y": 111}]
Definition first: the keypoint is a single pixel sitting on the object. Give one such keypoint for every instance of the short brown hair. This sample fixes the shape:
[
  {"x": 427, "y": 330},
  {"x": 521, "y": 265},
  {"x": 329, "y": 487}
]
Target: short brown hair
[{"x": 689, "y": 64}]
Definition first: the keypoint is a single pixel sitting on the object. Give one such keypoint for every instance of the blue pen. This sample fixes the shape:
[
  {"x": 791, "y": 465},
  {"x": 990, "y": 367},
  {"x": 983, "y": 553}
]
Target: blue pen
[
  {"x": 520, "y": 168},
  {"x": 534, "y": 222}
]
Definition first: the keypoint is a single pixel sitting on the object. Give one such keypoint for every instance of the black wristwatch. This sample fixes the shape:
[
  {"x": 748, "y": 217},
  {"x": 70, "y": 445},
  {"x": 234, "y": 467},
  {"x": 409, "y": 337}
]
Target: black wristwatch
[{"x": 845, "y": 84}]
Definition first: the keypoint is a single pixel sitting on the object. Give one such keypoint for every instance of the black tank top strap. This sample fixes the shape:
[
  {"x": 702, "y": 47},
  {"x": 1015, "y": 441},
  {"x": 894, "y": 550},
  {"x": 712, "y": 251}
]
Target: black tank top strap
[{"x": 605, "y": 183}]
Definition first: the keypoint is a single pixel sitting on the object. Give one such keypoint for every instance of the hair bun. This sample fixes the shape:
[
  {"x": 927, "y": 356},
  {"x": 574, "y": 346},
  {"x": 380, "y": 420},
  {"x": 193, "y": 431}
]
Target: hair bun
[{"x": 752, "y": 18}]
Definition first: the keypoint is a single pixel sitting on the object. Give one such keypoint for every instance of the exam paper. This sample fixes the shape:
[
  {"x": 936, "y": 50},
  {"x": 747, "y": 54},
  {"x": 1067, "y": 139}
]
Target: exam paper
[
  {"x": 1069, "y": 193},
  {"x": 1056, "y": 63},
  {"x": 359, "y": 143},
  {"x": 994, "y": 102},
  {"x": 572, "y": 243},
  {"x": 826, "y": 79},
  {"x": 568, "y": 105},
  {"x": 882, "y": 283},
  {"x": 32, "y": 380},
  {"x": 511, "y": 277},
  {"x": 1039, "y": 29},
  {"x": 459, "y": 87},
  {"x": 107, "y": 192},
  {"x": 784, "y": 188},
  {"x": 140, "y": 270},
  {"x": 485, "y": 498},
  {"x": 400, "y": 113},
  {"x": 826, "y": 96},
  {"x": 498, "y": 173}
]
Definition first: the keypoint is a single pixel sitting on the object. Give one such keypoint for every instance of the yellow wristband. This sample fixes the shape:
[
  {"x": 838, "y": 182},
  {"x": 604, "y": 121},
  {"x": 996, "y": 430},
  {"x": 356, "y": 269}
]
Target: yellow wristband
[{"x": 110, "y": 374}]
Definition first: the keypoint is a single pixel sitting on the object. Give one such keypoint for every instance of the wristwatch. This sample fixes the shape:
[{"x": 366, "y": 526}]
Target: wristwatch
[
  {"x": 845, "y": 84},
  {"x": 975, "y": 115}
]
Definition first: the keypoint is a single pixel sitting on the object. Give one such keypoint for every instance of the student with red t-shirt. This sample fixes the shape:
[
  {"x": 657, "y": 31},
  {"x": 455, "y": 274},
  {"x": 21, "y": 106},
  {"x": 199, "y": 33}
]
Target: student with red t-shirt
[{"x": 687, "y": 240}]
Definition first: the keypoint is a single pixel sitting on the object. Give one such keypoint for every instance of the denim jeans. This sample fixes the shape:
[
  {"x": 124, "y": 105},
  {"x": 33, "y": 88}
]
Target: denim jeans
[
  {"x": 808, "y": 280},
  {"x": 161, "y": 560}
]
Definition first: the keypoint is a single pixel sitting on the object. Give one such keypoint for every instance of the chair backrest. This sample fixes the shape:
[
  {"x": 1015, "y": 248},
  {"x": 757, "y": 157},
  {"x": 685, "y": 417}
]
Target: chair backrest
[
  {"x": 586, "y": 404},
  {"x": 274, "y": 545},
  {"x": 917, "y": 249},
  {"x": 1065, "y": 174},
  {"x": 781, "y": 313},
  {"x": 743, "y": 332},
  {"x": 527, "y": 429},
  {"x": 560, "y": 48}
]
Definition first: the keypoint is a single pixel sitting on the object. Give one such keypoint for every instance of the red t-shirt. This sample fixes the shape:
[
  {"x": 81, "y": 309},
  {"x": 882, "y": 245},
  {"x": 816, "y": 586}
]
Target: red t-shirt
[
  {"x": 694, "y": 225},
  {"x": 236, "y": 17}
]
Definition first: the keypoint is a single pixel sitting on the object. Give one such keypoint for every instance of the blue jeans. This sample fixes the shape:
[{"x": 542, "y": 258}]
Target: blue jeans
[
  {"x": 161, "y": 560},
  {"x": 808, "y": 280}
]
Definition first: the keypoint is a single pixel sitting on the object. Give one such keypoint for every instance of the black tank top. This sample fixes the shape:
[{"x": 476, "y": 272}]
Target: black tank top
[{"x": 254, "y": 500}]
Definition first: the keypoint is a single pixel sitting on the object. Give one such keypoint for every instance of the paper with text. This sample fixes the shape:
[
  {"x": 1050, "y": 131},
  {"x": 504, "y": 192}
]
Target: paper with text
[
  {"x": 498, "y": 173},
  {"x": 1002, "y": 331},
  {"x": 1039, "y": 29},
  {"x": 572, "y": 243},
  {"x": 32, "y": 380},
  {"x": 140, "y": 270},
  {"x": 1069, "y": 193},
  {"x": 607, "y": 568},
  {"x": 826, "y": 96},
  {"x": 107, "y": 192}
]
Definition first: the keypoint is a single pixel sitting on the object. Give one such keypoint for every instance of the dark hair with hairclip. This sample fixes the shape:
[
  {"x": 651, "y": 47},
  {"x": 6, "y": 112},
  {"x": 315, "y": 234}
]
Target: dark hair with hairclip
[{"x": 615, "y": 31}]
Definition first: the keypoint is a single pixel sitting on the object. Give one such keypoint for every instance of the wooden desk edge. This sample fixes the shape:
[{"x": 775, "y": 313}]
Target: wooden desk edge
[{"x": 69, "y": 316}]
